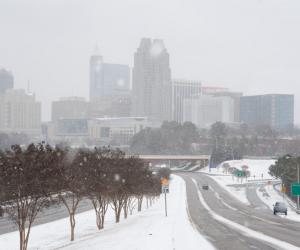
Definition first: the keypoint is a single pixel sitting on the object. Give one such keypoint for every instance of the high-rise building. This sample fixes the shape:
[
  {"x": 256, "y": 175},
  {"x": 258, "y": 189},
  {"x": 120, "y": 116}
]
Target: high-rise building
[
  {"x": 20, "y": 113},
  {"x": 69, "y": 107},
  {"x": 96, "y": 76},
  {"x": 182, "y": 89},
  {"x": 207, "y": 109},
  {"x": 275, "y": 110},
  {"x": 107, "y": 79},
  {"x": 6, "y": 80},
  {"x": 151, "y": 81}
]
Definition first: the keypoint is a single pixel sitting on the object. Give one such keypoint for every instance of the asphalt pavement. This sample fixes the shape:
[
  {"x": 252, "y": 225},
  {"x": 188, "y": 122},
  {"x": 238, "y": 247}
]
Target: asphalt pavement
[
  {"x": 47, "y": 215},
  {"x": 255, "y": 216}
]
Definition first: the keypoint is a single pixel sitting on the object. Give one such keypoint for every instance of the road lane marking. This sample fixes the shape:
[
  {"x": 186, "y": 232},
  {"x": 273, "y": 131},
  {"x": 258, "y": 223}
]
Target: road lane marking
[{"x": 242, "y": 229}]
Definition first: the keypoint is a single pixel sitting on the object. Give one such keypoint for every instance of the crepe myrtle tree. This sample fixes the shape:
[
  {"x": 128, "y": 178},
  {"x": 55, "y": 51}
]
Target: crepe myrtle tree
[
  {"x": 27, "y": 180},
  {"x": 134, "y": 174},
  {"x": 97, "y": 181},
  {"x": 71, "y": 183},
  {"x": 116, "y": 182}
]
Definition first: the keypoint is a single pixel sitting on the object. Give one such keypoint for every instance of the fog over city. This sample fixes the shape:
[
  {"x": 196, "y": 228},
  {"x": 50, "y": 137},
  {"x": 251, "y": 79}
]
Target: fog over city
[
  {"x": 250, "y": 46},
  {"x": 149, "y": 124}
]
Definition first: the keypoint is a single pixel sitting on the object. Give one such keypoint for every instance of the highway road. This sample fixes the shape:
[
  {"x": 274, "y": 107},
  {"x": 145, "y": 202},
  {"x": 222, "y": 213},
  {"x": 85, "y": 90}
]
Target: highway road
[
  {"x": 214, "y": 218},
  {"x": 53, "y": 213}
]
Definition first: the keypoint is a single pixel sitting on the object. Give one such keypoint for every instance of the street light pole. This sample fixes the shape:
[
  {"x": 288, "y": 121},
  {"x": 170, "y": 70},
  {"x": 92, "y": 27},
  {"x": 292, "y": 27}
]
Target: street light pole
[{"x": 298, "y": 177}]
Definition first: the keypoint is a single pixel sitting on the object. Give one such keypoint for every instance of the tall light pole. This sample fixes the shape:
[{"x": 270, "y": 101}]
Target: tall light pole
[{"x": 298, "y": 182}]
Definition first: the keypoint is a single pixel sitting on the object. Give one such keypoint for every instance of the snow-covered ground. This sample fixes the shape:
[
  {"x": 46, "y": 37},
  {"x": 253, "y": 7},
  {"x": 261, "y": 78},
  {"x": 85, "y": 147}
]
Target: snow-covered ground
[
  {"x": 149, "y": 229},
  {"x": 259, "y": 171},
  {"x": 269, "y": 196}
]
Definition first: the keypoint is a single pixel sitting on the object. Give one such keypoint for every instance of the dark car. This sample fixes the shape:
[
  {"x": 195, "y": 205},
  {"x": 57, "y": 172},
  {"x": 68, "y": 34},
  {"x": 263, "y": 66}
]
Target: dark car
[
  {"x": 280, "y": 207},
  {"x": 205, "y": 187}
]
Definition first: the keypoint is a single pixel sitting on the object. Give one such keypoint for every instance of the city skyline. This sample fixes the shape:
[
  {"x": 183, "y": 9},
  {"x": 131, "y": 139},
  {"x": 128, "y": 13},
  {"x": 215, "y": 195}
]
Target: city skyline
[{"x": 256, "y": 55}]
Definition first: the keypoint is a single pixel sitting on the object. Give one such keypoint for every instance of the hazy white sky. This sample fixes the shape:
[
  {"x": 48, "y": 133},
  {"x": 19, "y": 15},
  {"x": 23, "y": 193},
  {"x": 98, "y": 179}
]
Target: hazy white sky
[{"x": 247, "y": 45}]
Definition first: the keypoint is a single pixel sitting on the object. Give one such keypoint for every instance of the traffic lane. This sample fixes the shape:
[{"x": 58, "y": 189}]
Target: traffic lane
[
  {"x": 55, "y": 212},
  {"x": 248, "y": 217},
  {"x": 265, "y": 214},
  {"x": 220, "y": 235},
  {"x": 254, "y": 200}
]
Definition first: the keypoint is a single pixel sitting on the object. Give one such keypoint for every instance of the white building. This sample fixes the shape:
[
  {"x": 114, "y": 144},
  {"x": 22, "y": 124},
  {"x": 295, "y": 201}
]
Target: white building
[
  {"x": 97, "y": 131},
  {"x": 206, "y": 110},
  {"x": 183, "y": 89},
  {"x": 117, "y": 130},
  {"x": 20, "y": 113}
]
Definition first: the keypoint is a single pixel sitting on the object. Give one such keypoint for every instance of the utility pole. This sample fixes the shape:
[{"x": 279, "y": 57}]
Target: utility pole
[
  {"x": 298, "y": 182},
  {"x": 166, "y": 211}
]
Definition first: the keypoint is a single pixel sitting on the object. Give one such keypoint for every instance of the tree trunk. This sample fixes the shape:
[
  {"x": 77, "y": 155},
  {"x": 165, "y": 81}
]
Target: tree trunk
[
  {"x": 125, "y": 207},
  {"x": 22, "y": 238},
  {"x": 140, "y": 202},
  {"x": 98, "y": 220},
  {"x": 72, "y": 223}
]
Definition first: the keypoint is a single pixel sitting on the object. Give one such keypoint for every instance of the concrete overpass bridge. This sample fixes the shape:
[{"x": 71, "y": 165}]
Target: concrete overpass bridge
[{"x": 202, "y": 160}]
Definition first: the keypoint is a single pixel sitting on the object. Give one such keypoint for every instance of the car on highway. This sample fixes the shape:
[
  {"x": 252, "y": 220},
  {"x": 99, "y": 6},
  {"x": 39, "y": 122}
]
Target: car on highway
[
  {"x": 279, "y": 207},
  {"x": 205, "y": 187}
]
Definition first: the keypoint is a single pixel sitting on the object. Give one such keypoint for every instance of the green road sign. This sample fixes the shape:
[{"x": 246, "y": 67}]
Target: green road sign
[
  {"x": 295, "y": 188},
  {"x": 239, "y": 173}
]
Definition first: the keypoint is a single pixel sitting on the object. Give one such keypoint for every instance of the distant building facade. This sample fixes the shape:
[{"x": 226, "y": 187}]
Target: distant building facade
[
  {"x": 151, "y": 81},
  {"x": 235, "y": 96},
  {"x": 117, "y": 131},
  {"x": 20, "y": 113},
  {"x": 6, "y": 81},
  {"x": 107, "y": 79},
  {"x": 181, "y": 90},
  {"x": 275, "y": 110},
  {"x": 208, "y": 109},
  {"x": 110, "y": 106},
  {"x": 69, "y": 107}
]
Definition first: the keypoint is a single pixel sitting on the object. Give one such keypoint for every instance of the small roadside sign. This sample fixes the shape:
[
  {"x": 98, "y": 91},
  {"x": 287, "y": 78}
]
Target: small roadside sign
[
  {"x": 295, "y": 188},
  {"x": 165, "y": 188},
  {"x": 164, "y": 181}
]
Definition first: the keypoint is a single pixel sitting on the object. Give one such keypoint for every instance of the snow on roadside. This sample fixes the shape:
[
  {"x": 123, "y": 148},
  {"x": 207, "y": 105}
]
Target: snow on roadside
[
  {"x": 259, "y": 170},
  {"x": 269, "y": 196},
  {"x": 149, "y": 229}
]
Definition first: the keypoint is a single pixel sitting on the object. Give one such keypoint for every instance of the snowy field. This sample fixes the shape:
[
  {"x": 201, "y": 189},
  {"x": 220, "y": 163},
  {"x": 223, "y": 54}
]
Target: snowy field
[
  {"x": 259, "y": 172},
  {"x": 149, "y": 229}
]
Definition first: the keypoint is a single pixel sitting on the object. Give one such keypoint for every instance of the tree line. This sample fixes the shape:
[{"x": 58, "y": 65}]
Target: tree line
[
  {"x": 286, "y": 168},
  {"x": 226, "y": 142},
  {"x": 35, "y": 177}
]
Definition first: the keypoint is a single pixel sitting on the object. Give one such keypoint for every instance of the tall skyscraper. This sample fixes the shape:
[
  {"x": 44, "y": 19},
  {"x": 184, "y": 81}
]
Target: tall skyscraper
[
  {"x": 6, "y": 80},
  {"x": 151, "y": 81},
  {"x": 275, "y": 110},
  {"x": 182, "y": 89},
  {"x": 96, "y": 76},
  {"x": 107, "y": 79}
]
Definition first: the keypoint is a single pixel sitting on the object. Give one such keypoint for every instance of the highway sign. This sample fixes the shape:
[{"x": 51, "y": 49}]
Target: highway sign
[
  {"x": 239, "y": 173},
  {"x": 295, "y": 188}
]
